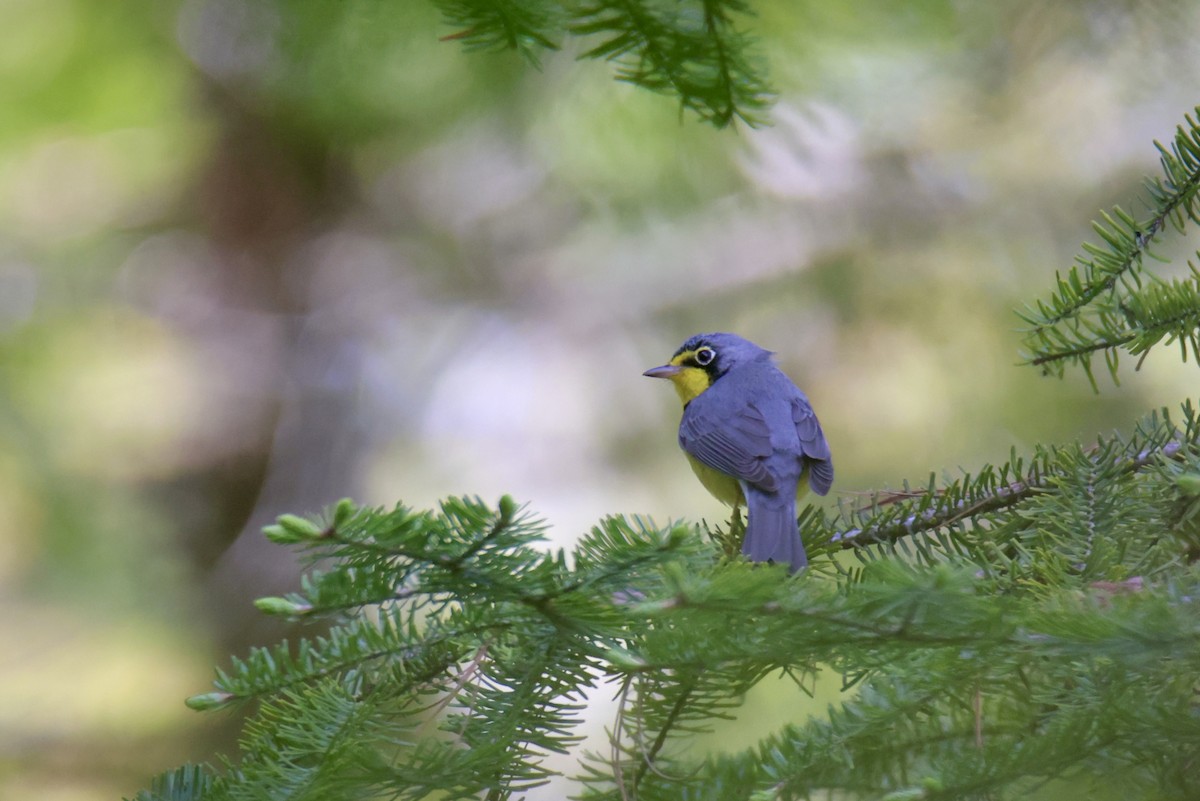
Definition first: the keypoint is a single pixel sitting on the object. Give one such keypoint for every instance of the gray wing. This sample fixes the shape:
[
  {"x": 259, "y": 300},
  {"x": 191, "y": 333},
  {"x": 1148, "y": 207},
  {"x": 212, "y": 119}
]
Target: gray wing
[
  {"x": 736, "y": 444},
  {"x": 812, "y": 442}
]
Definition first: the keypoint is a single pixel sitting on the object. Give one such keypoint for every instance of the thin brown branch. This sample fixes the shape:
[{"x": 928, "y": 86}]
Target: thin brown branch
[{"x": 1002, "y": 497}]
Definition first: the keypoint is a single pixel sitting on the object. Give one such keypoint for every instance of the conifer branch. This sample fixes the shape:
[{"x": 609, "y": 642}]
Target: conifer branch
[
  {"x": 1108, "y": 301},
  {"x": 668, "y": 726},
  {"x": 1161, "y": 311},
  {"x": 1036, "y": 589},
  {"x": 707, "y": 66},
  {"x": 944, "y": 507},
  {"x": 692, "y": 50},
  {"x": 527, "y": 26},
  {"x": 1172, "y": 198}
]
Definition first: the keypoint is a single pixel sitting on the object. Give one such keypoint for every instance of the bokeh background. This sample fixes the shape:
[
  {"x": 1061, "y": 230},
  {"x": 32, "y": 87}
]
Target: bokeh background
[{"x": 258, "y": 255}]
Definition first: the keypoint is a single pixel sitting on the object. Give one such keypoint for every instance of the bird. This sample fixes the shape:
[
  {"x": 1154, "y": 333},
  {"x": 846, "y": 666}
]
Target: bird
[{"x": 751, "y": 437}]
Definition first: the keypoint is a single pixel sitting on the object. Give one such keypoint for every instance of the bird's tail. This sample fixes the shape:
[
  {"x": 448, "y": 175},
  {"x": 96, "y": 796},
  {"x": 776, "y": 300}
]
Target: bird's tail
[{"x": 771, "y": 531}]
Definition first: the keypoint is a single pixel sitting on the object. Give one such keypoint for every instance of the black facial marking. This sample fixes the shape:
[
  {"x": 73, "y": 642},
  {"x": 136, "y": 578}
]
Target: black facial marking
[
  {"x": 712, "y": 366},
  {"x": 693, "y": 344}
]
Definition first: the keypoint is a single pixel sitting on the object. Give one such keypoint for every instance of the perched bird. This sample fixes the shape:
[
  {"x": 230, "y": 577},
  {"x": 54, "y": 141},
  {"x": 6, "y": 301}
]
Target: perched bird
[{"x": 751, "y": 437}]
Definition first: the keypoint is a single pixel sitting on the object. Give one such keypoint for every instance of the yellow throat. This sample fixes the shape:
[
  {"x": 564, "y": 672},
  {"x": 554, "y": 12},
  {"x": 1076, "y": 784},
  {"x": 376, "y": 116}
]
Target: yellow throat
[{"x": 690, "y": 381}]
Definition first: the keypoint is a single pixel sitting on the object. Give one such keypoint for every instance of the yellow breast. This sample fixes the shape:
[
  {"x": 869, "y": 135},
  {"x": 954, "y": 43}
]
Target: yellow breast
[{"x": 726, "y": 489}]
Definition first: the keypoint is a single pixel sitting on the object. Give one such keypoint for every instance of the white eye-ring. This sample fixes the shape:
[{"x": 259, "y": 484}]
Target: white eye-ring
[{"x": 705, "y": 356}]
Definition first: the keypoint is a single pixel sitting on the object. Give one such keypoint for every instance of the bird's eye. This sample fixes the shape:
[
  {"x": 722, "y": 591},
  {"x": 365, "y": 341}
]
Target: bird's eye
[{"x": 705, "y": 356}]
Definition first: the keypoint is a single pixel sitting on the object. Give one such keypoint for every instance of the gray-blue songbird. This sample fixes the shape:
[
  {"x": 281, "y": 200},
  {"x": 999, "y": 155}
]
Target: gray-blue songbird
[{"x": 751, "y": 437}]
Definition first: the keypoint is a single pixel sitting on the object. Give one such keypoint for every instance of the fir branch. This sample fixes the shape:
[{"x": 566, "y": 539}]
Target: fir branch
[
  {"x": 690, "y": 50},
  {"x": 1083, "y": 706},
  {"x": 185, "y": 783},
  {"x": 517, "y": 714},
  {"x": 306, "y": 743},
  {"x": 896, "y": 610},
  {"x": 410, "y": 661},
  {"x": 1108, "y": 302},
  {"x": 527, "y": 26},
  {"x": 1059, "y": 674},
  {"x": 996, "y": 656},
  {"x": 889, "y": 518},
  {"x": 649, "y": 755},
  {"x": 1172, "y": 198},
  {"x": 1160, "y": 311},
  {"x": 438, "y": 587}
]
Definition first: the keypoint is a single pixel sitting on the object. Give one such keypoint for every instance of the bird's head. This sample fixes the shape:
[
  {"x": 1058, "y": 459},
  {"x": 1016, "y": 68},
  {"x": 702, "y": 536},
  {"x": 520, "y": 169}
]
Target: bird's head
[{"x": 703, "y": 359}]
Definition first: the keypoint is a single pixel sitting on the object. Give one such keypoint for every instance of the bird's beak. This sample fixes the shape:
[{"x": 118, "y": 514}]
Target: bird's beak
[{"x": 666, "y": 371}]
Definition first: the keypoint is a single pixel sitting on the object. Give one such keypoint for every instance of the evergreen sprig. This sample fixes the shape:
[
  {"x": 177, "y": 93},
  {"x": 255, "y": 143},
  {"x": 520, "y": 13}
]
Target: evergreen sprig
[
  {"x": 966, "y": 694},
  {"x": 990, "y": 631},
  {"x": 1028, "y": 518},
  {"x": 527, "y": 26},
  {"x": 1108, "y": 301},
  {"x": 692, "y": 50},
  {"x": 458, "y": 657}
]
